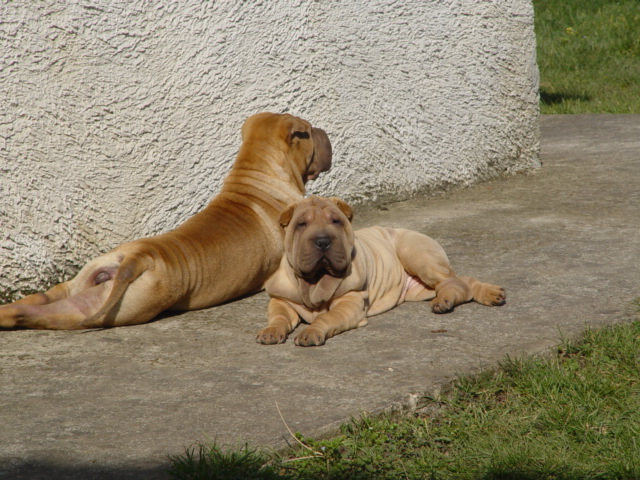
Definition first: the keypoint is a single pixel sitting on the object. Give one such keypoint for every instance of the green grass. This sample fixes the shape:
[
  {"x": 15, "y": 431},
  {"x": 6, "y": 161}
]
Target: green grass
[
  {"x": 588, "y": 55},
  {"x": 214, "y": 463},
  {"x": 573, "y": 416}
]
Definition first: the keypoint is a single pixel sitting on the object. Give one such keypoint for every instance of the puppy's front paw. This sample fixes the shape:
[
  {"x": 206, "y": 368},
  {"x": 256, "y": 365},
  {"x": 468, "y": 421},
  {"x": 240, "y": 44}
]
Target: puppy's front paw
[
  {"x": 271, "y": 336},
  {"x": 310, "y": 337}
]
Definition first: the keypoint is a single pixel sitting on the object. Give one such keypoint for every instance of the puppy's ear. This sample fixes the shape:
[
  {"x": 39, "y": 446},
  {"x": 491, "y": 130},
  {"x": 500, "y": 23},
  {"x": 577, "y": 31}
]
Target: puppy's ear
[
  {"x": 285, "y": 216},
  {"x": 343, "y": 206}
]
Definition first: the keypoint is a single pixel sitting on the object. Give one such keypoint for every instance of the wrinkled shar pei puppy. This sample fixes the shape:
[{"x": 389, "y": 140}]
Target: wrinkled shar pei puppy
[{"x": 334, "y": 278}]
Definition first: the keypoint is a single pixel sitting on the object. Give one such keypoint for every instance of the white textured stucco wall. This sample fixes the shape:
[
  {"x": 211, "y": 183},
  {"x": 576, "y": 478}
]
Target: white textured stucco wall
[{"x": 120, "y": 118}]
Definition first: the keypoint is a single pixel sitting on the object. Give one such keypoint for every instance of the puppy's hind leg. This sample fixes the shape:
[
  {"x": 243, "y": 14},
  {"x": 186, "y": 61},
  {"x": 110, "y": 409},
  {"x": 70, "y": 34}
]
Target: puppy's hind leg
[
  {"x": 455, "y": 291},
  {"x": 449, "y": 294},
  {"x": 485, "y": 293},
  {"x": 423, "y": 257}
]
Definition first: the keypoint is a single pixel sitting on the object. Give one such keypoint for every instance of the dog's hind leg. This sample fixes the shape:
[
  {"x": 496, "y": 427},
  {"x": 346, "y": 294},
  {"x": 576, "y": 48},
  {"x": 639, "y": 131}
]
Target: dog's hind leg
[
  {"x": 67, "y": 313},
  {"x": 452, "y": 292},
  {"x": 55, "y": 293},
  {"x": 85, "y": 301},
  {"x": 424, "y": 258},
  {"x": 485, "y": 293}
]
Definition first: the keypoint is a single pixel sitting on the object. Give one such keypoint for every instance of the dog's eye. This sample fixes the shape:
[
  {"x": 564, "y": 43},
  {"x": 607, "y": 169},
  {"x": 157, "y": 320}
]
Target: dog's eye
[
  {"x": 336, "y": 221},
  {"x": 301, "y": 224}
]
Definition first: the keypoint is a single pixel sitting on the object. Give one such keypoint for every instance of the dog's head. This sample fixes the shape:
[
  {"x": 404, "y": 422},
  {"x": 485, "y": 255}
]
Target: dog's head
[
  {"x": 319, "y": 238},
  {"x": 306, "y": 148}
]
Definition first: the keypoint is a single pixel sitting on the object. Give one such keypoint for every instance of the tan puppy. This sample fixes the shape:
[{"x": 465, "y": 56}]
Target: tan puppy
[
  {"x": 334, "y": 278},
  {"x": 227, "y": 250}
]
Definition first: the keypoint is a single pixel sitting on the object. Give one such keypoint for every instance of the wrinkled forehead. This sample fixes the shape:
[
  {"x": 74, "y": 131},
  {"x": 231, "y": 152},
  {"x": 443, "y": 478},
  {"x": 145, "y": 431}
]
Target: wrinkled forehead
[{"x": 311, "y": 209}]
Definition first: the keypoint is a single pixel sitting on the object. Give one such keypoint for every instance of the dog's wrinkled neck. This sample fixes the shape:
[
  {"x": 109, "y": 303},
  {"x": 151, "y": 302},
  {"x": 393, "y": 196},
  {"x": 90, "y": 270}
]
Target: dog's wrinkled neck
[{"x": 318, "y": 292}]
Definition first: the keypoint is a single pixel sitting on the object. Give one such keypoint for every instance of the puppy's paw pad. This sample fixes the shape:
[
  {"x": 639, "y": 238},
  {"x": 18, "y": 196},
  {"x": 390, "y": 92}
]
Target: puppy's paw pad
[
  {"x": 310, "y": 338},
  {"x": 271, "y": 336}
]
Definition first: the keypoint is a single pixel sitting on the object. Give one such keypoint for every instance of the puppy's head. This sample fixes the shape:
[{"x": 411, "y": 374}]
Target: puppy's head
[
  {"x": 319, "y": 237},
  {"x": 307, "y": 149}
]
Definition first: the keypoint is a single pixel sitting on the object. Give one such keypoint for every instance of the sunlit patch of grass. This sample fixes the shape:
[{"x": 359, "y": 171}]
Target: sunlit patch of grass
[{"x": 588, "y": 55}]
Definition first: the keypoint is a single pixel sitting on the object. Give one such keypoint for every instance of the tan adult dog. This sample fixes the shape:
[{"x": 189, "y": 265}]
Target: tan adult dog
[
  {"x": 227, "y": 250},
  {"x": 334, "y": 278}
]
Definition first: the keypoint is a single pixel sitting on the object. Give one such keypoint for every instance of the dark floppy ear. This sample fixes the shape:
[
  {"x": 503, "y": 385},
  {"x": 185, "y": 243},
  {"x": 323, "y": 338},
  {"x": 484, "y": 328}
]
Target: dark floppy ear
[
  {"x": 297, "y": 130},
  {"x": 294, "y": 134},
  {"x": 343, "y": 206},
  {"x": 285, "y": 216}
]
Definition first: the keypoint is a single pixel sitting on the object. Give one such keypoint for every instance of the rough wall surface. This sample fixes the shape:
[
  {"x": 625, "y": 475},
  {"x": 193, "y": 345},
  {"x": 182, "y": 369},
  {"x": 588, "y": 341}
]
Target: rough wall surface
[{"x": 120, "y": 119}]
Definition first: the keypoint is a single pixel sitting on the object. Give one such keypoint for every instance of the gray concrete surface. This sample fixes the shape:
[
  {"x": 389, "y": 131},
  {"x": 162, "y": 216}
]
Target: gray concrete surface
[{"x": 564, "y": 242}]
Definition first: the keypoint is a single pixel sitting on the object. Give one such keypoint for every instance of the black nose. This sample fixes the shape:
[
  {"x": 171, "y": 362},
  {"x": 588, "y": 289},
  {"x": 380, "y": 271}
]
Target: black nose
[{"x": 323, "y": 243}]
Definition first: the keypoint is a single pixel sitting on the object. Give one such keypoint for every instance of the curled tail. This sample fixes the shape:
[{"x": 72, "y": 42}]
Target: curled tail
[{"x": 129, "y": 270}]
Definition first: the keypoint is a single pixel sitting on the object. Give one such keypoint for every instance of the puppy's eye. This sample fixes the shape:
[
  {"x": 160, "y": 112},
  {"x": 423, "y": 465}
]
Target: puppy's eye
[
  {"x": 301, "y": 224},
  {"x": 337, "y": 222}
]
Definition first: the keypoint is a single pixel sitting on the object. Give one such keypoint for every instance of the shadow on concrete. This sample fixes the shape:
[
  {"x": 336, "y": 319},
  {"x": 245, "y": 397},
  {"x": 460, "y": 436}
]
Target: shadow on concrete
[{"x": 34, "y": 470}]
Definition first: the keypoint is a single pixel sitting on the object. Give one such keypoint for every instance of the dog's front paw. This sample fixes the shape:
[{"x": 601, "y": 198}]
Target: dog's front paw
[
  {"x": 310, "y": 337},
  {"x": 271, "y": 336}
]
